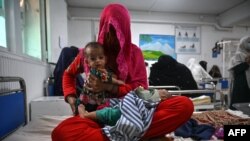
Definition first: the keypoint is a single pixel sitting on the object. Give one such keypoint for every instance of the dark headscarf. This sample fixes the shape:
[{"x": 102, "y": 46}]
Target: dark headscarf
[
  {"x": 168, "y": 72},
  {"x": 67, "y": 55},
  {"x": 203, "y": 64}
]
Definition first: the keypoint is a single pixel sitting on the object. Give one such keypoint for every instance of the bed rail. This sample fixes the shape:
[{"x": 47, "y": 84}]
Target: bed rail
[
  {"x": 190, "y": 91},
  {"x": 12, "y": 79},
  {"x": 12, "y": 105},
  {"x": 178, "y": 91},
  {"x": 165, "y": 87}
]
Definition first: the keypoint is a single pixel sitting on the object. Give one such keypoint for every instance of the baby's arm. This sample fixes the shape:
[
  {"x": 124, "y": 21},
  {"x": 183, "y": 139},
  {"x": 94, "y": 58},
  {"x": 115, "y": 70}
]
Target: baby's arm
[
  {"x": 116, "y": 81},
  {"x": 104, "y": 75}
]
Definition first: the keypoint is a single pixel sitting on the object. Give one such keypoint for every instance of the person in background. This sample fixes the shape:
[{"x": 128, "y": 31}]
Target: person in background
[
  {"x": 168, "y": 72},
  {"x": 67, "y": 56},
  {"x": 203, "y": 65},
  {"x": 126, "y": 61},
  {"x": 240, "y": 73},
  {"x": 197, "y": 71},
  {"x": 215, "y": 72}
]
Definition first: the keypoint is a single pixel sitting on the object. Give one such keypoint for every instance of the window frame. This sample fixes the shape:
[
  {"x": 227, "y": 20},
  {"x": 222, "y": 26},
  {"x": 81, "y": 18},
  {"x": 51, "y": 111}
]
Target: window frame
[{"x": 14, "y": 40}]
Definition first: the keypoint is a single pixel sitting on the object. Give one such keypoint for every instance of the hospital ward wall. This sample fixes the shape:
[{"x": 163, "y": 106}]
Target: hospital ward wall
[
  {"x": 14, "y": 59},
  {"x": 33, "y": 72},
  {"x": 83, "y": 26}
]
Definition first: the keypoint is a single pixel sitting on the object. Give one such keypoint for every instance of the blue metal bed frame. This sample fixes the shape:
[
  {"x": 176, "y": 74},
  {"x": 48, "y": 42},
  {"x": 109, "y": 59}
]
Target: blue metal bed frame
[{"x": 13, "y": 111}]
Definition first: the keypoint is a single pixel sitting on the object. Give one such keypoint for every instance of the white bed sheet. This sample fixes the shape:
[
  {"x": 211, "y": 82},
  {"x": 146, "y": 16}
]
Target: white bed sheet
[{"x": 39, "y": 129}]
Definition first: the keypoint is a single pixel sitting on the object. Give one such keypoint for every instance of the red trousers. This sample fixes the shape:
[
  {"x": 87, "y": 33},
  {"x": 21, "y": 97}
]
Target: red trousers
[{"x": 169, "y": 115}]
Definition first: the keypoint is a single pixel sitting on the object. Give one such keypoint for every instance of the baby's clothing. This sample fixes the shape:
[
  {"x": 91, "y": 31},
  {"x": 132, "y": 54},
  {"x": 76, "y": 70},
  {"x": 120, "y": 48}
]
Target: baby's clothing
[
  {"x": 110, "y": 115},
  {"x": 89, "y": 98}
]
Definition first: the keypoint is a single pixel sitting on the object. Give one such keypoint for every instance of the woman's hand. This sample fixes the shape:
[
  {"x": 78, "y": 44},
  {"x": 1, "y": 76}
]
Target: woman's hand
[
  {"x": 94, "y": 84},
  {"x": 103, "y": 70},
  {"x": 72, "y": 100}
]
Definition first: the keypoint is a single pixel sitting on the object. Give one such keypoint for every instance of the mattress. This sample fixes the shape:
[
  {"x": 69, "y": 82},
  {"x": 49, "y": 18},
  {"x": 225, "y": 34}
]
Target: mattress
[{"x": 39, "y": 129}]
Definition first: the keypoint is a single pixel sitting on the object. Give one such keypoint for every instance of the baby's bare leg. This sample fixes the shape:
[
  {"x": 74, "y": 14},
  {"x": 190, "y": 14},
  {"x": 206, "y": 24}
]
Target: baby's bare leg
[{"x": 85, "y": 114}]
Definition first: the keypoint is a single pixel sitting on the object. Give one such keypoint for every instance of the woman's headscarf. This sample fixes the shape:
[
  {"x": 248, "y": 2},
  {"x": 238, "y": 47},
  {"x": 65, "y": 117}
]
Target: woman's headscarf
[
  {"x": 130, "y": 62},
  {"x": 118, "y": 16},
  {"x": 167, "y": 71},
  {"x": 242, "y": 52},
  {"x": 166, "y": 61},
  {"x": 198, "y": 72}
]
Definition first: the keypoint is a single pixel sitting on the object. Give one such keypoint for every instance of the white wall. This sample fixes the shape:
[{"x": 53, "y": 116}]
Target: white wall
[
  {"x": 162, "y": 23},
  {"x": 57, "y": 28},
  {"x": 81, "y": 35},
  {"x": 12, "y": 60},
  {"x": 33, "y": 72}
]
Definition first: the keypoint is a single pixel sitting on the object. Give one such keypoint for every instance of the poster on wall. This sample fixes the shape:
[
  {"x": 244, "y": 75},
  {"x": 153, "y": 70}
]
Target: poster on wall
[
  {"x": 187, "y": 39},
  {"x": 153, "y": 45}
]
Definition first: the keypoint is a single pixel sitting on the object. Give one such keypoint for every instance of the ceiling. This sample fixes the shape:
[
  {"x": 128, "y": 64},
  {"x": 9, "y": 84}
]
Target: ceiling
[{"x": 230, "y": 12}]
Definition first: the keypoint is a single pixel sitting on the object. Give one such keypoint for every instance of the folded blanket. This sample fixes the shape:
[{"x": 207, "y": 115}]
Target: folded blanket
[{"x": 201, "y": 100}]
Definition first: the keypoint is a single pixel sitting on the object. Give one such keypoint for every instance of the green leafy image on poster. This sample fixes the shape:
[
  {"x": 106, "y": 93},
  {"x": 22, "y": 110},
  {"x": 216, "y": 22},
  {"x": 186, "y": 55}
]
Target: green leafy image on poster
[{"x": 153, "y": 46}]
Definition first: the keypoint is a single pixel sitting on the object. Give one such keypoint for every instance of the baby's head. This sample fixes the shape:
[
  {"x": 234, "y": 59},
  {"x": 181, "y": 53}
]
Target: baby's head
[{"x": 94, "y": 55}]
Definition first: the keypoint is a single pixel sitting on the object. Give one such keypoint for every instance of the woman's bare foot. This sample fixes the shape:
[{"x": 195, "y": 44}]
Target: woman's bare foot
[{"x": 82, "y": 111}]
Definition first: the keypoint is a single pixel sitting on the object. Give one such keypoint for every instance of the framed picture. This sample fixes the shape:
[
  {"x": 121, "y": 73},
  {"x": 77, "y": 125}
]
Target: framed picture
[
  {"x": 187, "y": 39},
  {"x": 153, "y": 46}
]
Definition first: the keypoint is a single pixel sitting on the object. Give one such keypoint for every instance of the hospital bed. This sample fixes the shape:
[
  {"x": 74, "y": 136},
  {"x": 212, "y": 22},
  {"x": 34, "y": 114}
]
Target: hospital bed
[
  {"x": 216, "y": 114},
  {"x": 14, "y": 125},
  {"x": 175, "y": 90}
]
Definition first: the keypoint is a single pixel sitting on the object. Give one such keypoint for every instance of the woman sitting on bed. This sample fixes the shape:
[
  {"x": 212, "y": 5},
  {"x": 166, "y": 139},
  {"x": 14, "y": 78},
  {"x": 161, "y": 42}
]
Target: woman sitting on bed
[
  {"x": 126, "y": 61},
  {"x": 169, "y": 72}
]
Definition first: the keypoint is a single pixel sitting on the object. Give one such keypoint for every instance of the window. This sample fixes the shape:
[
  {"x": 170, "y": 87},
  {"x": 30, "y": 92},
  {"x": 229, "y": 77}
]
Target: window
[
  {"x": 31, "y": 28},
  {"x": 22, "y": 27},
  {"x": 2, "y": 25}
]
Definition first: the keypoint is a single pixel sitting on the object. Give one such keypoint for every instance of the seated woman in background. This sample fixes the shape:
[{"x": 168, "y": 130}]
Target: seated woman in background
[
  {"x": 215, "y": 72},
  {"x": 203, "y": 64},
  {"x": 168, "y": 72},
  {"x": 240, "y": 73}
]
